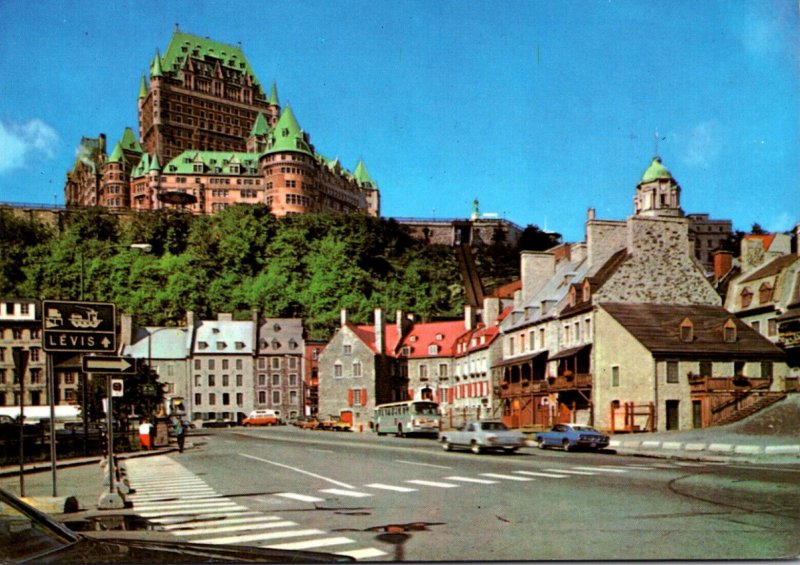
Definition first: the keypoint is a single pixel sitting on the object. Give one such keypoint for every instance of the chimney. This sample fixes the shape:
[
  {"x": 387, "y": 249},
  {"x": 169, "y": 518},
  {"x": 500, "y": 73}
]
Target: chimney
[
  {"x": 491, "y": 310},
  {"x": 469, "y": 317},
  {"x": 536, "y": 268},
  {"x": 398, "y": 320},
  {"x": 126, "y": 330},
  {"x": 723, "y": 263},
  {"x": 590, "y": 215},
  {"x": 190, "y": 319},
  {"x": 343, "y": 317},
  {"x": 380, "y": 332}
]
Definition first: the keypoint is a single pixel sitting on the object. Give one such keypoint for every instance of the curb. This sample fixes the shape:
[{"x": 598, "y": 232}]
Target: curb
[
  {"x": 652, "y": 448},
  {"x": 39, "y": 467}
]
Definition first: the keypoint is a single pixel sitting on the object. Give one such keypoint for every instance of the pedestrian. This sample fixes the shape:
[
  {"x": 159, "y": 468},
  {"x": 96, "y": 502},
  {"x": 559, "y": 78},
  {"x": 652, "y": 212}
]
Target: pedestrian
[
  {"x": 144, "y": 434},
  {"x": 180, "y": 432}
]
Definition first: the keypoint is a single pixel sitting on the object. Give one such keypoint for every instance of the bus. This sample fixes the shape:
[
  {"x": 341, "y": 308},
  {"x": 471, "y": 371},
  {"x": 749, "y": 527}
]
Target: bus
[{"x": 407, "y": 417}]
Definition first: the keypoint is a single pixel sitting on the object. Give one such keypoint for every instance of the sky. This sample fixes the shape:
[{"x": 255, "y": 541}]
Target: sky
[{"x": 540, "y": 110}]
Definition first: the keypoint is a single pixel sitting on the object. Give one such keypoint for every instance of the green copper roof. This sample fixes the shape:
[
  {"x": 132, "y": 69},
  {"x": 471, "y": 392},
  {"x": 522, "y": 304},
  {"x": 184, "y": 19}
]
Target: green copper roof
[
  {"x": 655, "y": 171},
  {"x": 288, "y": 136},
  {"x": 185, "y": 45},
  {"x": 260, "y": 126},
  {"x": 143, "y": 88},
  {"x": 362, "y": 175},
  {"x": 213, "y": 163},
  {"x": 117, "y": 156},
  {"x": 155, "y": 68},
  {"x": 155, "y": 166},
  {"x": 273, "y": 95},
  {"x": 141, "y": 167},
  {"x": 129, "y": 141}
]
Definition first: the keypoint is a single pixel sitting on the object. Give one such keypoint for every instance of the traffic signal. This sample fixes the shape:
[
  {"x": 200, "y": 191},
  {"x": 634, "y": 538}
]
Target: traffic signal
[{"x": 117, "y": 388}]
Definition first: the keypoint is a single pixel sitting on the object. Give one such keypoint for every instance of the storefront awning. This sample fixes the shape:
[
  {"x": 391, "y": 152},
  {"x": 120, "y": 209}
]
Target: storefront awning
[
  {"x": 572, "y": 351},
  {"x": 791, "y": 314},
  {"x": 518, "y": 360}
]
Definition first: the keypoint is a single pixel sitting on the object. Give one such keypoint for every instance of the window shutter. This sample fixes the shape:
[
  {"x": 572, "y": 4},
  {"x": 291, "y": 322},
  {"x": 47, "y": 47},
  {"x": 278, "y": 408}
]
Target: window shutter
[
  {"x": 410, "y": 394},
  {"x": 363, "y": 397},
  {"x": 350, "y": 397}
]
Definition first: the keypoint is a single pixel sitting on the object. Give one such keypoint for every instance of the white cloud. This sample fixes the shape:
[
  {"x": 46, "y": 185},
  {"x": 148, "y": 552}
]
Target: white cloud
[{"x": 21, "y": 142}]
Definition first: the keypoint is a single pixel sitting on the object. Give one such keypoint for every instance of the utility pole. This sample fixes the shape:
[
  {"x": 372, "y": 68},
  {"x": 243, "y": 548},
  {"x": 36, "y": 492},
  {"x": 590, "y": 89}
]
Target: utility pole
[{"x": 20, "y": 357}]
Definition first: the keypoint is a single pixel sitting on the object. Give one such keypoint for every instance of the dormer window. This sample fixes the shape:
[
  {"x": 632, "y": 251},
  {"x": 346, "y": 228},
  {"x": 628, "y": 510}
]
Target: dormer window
[
  {"x": 412, "y": 339},
  {"x": 765, "y": 293},
  {"x": 729, "y": 331},
  {"x": 433, "y": 349},
  {"x": 221, "y": 345},
  {"x": 202, "y": 345},
  {"x": 439, "y": 337},
  {"x": 745, "y": 298},
  {"x": 276, "y": 327},
  {"x": 405, "y": 351},
  {"x": 239, "y": 345},
  {"x": 573, "y": 295},
  {"x": 276, "y": 344},
  {"x": 687, "y": 331},
  {"x": 587, "y": 291}
]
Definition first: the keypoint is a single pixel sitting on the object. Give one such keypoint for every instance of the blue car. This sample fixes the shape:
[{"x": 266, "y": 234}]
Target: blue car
[{"x": 572, "y": 436}]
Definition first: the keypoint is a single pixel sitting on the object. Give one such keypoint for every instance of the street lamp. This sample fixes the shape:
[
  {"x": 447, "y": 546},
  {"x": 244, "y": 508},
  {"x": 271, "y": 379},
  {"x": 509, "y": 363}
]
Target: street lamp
[{"x": 143, "y": 247}]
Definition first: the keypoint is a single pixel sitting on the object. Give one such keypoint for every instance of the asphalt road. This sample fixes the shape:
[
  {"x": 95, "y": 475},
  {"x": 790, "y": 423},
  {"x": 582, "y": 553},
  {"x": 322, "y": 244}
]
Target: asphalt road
[{"x": 406, "y": 499}]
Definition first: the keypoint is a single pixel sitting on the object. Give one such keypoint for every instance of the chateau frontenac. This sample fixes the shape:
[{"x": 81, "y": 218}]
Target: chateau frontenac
[{"x": 210, "y": 137}]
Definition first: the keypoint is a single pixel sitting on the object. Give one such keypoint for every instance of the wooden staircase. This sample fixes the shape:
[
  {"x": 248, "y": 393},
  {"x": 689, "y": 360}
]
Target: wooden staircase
[{"x": 764, "y": 401}]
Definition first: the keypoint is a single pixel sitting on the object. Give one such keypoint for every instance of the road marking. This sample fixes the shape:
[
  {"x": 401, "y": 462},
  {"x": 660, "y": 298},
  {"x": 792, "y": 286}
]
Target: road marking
[
  {"x": 570, "y": 472},
  {"x": 311, "y": 544},
  {"x": 321, "y": 450},
  {"x": 184, "y": 520},
  {"x": 235, "y": 528},
  {"x": 471, "y": 480},
  {"x": 300, "y": 497},
  {"x": 432, "y": 484},
  {"x": 641, "y": 467},
  {"x": 537, "y": 474},
  {"x": 602, "y": 469},
  {"x": 422, "y": 464},
  {"x": 504, "y": 477},
  {"x": 295, "y": 469},
  {"x": 687, "y": 464},
  {"x": 208, "y": 503},
  {"x": 254, "y": 516},
  {"x": 165, "y": 499},
  {"x": 261, "y": 537},
  {"x": 187, "y": 511},
  {"x": 367, "y": 553},
  {"x": 340, "y": 492},
  {"x": 390, "y": 487}
]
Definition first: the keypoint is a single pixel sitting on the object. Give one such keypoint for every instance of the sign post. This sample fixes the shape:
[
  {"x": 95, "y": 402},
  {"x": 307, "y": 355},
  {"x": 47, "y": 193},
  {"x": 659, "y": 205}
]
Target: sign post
[
  {"x": 20, "y": 357},
  {"x": 72, "y": 327}
]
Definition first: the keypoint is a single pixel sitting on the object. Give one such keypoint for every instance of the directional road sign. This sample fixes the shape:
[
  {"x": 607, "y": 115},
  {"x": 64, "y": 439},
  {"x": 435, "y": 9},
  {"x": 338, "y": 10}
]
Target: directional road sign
[
  {"x": 79, "y": 326},
  {"x": 109, "y": 365}
]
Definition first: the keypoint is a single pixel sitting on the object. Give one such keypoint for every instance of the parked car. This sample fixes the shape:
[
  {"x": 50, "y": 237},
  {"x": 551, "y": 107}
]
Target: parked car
[
  {"x": 262, "y": 418},
  {"x": 572, "y": 436},
  {"x": 307, "y": 423},
  {"x": 30, "y": 536},
  {"x": 334, "y": 423},
  {"x": 488, "y": 435}
]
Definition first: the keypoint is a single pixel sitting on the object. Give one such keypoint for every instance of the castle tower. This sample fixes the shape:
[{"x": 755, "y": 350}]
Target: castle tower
[
  {"x": 116, "y": 180},
  {"x": 657, "y": 194}
]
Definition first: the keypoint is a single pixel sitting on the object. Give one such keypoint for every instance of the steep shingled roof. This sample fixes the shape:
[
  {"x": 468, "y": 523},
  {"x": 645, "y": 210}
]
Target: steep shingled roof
[
  {"x": 215, "y": 162},
  {"x": 657, "y": 327},
  {"x": 772, "y": 268},
  {"x": 288, "y": 136},
  {"x": 184, "y": 45},
  {"x": 362, "y": 176}
]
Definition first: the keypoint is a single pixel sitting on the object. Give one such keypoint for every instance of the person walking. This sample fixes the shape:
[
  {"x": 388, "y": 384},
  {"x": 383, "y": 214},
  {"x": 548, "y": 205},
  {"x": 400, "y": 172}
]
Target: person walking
[
  {"x": 144, "y": 434},
  {"x": 180, "y": 432}
]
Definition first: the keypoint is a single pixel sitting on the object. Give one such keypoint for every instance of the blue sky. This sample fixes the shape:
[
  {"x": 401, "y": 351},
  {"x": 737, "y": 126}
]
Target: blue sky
[{"x": 539, "y": 109}]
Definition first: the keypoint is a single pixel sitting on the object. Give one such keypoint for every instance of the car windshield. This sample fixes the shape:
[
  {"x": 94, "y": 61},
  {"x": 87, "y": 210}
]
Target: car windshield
[
  {"x": 583, "y": 429},
  {"x": 24, "y": 537},
  {"x": 426, "y": 408},
  {"x": 494, "y": 426}
]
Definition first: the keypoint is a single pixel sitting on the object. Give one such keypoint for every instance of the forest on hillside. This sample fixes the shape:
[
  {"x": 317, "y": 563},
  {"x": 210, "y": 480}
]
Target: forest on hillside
[{"x": 243, "y": 258}]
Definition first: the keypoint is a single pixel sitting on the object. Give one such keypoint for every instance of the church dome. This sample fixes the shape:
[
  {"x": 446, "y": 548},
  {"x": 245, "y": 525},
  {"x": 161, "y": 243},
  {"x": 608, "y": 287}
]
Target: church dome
[{"x": 655, "y": 171}]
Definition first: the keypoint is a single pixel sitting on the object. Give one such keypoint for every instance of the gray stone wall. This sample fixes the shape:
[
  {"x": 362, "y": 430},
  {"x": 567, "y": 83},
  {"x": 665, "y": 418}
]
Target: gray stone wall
[
  {"x": 661, "y": 268},
  {"x": 603, "y": 239}
]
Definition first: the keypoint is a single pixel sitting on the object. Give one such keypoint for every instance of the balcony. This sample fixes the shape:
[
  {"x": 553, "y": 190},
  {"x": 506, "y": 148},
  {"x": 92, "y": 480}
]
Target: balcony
[
  {"x": 701, "y": 384},
  {"x": 581, "y": 381}
]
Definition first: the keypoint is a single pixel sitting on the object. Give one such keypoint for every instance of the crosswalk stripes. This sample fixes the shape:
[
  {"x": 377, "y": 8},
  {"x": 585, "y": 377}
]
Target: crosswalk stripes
[
  {"x": 570, "y": 472},
  {"x": 504, "y": 477},
  {"x": 471, "y": 480},
  {"x": 381, "y": 486},
  {"x": 432, "y": 484},
  {"x": 343, "y": 492},
  {"x": 185, "y": 506},
  {"x": 545, "y": 475}
]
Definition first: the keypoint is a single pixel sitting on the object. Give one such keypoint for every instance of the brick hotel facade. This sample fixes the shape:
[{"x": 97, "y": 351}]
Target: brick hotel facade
[{"x": 209, "y": 137}]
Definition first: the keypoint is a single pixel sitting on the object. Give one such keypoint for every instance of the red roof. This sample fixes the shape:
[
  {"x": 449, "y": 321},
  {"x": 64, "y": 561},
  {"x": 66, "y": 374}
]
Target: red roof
[
  {"x": 367, "y": 335},
  {"x": 507, "y": 290},
  {"x": 766, "y": 239},
  {"x": 422, "y": 336}
]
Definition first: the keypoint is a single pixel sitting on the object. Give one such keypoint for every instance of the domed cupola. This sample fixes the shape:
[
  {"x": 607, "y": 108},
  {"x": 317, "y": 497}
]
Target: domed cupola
[{"x": 657, "y": 194}]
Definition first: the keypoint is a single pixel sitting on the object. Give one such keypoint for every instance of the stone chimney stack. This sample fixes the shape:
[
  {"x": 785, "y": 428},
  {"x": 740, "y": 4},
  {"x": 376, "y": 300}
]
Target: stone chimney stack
[
  {"x": 723, "y": 263},
  {"x": 125, "y": 330},
  {"x": 380, "y": 331},
  {"x": 398, "y": 320},
  {"x": 536, "y": 268},
  {"x": 491, "y": 310},
  {"x": 190, "y": 320},
  {"x": 343, "y": 317},
  {"x": 469, "y": 317}
]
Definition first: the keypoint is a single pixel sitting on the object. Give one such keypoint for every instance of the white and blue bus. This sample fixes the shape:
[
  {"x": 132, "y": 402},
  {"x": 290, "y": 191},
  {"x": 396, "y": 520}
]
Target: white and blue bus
[{"x": 407, "y": 417}]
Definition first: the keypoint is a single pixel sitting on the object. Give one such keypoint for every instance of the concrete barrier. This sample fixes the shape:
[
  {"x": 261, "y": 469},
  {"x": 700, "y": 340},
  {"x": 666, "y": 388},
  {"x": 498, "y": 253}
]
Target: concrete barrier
[{"x": 53, "y": 504}]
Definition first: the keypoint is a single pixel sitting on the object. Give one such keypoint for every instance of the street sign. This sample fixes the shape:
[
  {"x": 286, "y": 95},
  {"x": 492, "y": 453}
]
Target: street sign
[
  {"x": 109, "y": 365},
  {"x": 79, "y": 326},
  {"x": 117, "y": 387}
]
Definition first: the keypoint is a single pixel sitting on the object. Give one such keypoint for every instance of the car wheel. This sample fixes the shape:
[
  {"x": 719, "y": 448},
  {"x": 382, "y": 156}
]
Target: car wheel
[
  {"x": 400, "y": 431},
  {"x": 475, "y": 448},
  {"x": 509, "y": 450},
  {"x": 540, "y": 443},
  {"x": 378, "y": 431},
  {"x": 565, "y": 444},
  {"x": 446, "y": 445}
]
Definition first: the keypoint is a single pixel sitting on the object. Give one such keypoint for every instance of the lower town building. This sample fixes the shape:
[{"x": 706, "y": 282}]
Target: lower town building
[{"x": 21, "y": 330}]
